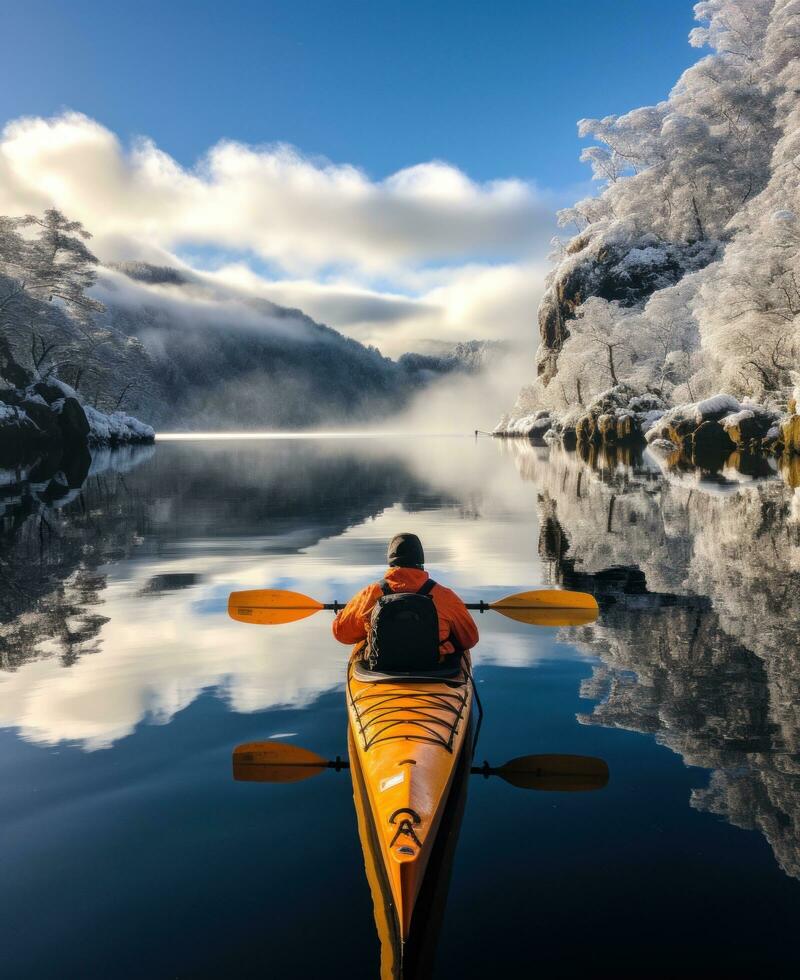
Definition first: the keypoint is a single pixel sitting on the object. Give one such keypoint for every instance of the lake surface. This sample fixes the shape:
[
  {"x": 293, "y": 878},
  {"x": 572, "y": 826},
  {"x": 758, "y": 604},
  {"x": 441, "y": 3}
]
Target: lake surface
[{"x": 127, "y": 850}]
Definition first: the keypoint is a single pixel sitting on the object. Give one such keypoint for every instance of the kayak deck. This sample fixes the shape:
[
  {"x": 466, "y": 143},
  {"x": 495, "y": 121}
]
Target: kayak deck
[{"x": 408, "y": 737}]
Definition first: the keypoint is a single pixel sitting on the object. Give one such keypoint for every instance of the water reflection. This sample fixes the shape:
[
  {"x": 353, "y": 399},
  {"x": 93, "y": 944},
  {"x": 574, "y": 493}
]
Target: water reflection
[
  {"x": 699, "y": 643},
  {"x": 54, "y": 536},
  {"x": 139, "y": 560},
  {"x": 114, "y": 636}
]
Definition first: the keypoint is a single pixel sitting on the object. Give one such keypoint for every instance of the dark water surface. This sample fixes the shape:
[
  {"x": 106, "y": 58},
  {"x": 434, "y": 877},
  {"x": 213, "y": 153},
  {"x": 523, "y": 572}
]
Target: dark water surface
[{"x": 126, "y": 849}]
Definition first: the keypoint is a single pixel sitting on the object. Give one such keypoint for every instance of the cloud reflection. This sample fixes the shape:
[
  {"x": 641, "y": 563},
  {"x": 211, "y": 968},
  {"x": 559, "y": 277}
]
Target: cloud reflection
[{"x": 161, "y": 648}]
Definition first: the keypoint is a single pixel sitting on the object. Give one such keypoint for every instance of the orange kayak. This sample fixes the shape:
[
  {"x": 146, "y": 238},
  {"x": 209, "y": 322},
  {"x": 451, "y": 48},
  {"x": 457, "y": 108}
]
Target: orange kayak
[{"x": 407, "y": 736}]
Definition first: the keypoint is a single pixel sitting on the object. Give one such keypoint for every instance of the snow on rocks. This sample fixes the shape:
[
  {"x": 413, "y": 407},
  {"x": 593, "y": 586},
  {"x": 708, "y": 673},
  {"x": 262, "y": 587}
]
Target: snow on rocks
[
  {"x": 617, "y": 416},
  {"x": 703, "y": 433},
  {"x": 714, "y": 408},
  {"x": 48, "y": 417},
  {"x": 11, "y": 415},
  {"x": 736, "y": 418},
  {"x": 535, "y": 426},
  {"x": 115, "y": 429},
  {"x": 726, "y": 423}
]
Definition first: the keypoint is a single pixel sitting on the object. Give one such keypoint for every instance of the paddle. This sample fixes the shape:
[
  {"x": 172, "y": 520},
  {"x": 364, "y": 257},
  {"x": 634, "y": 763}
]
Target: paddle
[
  {"x": 542, "y": 607},
  {"x": 566, "y": 773},
  {"x": 277, "y": 762}
]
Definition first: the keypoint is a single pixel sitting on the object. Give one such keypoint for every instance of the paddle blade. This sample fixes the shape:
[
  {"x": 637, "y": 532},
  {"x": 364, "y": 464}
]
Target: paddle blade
[
  {"x": 549, "y": 617},
  {"x": 271, "y": 607},
  {"x": 545, "y": 599},
  {"x": 275, "y": 762},
  {"x": 564, "y": 773}
]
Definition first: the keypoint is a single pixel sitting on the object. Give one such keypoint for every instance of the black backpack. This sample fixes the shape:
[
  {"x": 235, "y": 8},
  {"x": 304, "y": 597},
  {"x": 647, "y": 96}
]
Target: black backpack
[{"x": 404, "y": 631}]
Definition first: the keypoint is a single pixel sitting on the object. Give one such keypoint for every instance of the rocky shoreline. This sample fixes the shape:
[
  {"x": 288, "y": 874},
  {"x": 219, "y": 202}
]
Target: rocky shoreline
[
  {"x": 704, "y": 433},
  {"x": 47, "y": 419}
]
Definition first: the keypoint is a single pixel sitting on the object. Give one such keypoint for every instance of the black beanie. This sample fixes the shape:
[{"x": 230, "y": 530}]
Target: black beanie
[{"x": 405, "y": 551}]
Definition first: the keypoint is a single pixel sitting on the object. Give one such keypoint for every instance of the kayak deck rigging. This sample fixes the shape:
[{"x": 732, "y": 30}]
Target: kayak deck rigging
[{"x": 409, "y": 712}]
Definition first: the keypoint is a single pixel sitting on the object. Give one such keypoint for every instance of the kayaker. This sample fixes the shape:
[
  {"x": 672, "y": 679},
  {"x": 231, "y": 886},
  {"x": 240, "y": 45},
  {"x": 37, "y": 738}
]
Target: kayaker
[{"x": 406, "y": 574}]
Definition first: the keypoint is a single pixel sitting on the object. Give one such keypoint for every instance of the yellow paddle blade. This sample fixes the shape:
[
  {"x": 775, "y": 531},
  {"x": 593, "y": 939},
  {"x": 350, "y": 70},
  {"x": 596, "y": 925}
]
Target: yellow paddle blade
[
  {"x": 565, "y": 773},
  {"x": 548, "y": 617},
  {"x": 275, "y": 762},
  {"x": 271, "y": 607},
  {"x": 545, "y": 599}
]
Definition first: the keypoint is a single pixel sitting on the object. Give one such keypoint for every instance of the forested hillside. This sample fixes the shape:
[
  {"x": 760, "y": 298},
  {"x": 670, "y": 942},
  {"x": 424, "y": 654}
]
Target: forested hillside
[
  {"x": 177, "y": 349},
  {"x": 682, "y": 277}
]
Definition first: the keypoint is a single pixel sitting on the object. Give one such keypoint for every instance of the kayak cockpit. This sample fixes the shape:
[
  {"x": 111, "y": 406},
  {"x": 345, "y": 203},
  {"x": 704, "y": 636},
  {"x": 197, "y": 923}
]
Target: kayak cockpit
[{"x": 362, "y": 673}]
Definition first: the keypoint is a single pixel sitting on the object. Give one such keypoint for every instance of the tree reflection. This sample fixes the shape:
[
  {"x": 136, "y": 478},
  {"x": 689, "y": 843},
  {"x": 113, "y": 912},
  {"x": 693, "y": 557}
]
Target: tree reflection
[
  {"x": 699, "y": 639},
  {"x": 54, "y": 536},
  {"x": 59, "y": 532}
]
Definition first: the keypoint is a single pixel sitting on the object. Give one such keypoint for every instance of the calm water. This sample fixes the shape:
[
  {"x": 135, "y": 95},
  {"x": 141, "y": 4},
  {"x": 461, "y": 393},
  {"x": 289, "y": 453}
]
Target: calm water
[{"x": 128, "y": 851}]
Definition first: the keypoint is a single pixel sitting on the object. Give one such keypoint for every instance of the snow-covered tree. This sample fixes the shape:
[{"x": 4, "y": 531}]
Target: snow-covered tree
[
  {"x": 684, "y": 276},
  {"x": 45, "y": 260}
]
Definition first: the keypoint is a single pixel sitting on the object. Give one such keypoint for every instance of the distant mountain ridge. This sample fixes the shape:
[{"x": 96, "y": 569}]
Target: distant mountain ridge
[{"x": 199, "y": 354}]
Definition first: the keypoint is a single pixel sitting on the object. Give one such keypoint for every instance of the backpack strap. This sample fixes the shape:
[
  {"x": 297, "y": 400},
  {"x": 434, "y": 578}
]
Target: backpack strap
[
  {"x": 385, "y": 587},
  {"x": 455, "y": 657}
]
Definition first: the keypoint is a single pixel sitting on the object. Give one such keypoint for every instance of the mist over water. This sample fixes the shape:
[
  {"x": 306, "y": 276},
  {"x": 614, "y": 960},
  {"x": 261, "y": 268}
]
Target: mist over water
[
  {"x": 456, "y": 404},
  {"x": 460, "y": 404},
  {"x": 124, "y": 686}
]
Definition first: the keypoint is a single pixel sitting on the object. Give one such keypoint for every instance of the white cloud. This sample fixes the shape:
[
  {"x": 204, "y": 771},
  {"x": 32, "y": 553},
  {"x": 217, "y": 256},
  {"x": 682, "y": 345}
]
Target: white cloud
[
  {"x": 492, "y": 302},
  {"x": 303, "y": 214},
  {"x": 425, "y": 253}
]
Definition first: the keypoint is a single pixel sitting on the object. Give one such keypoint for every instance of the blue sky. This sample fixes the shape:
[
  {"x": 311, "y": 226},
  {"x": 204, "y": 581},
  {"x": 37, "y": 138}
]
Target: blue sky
[{"x": 492, "y": 87}]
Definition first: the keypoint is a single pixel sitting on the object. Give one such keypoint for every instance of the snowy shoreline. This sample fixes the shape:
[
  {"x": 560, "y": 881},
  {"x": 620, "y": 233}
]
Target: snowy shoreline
[
  {"x": 48, "y": 418},
  {"x": 702, "y": 431}
]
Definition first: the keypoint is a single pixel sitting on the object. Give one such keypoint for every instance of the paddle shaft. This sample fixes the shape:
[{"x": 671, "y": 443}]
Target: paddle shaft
[
  {"x": 338, "y": 606},
  {"x": 275, "y": 762},
  {"x": 338, "y": 764}
]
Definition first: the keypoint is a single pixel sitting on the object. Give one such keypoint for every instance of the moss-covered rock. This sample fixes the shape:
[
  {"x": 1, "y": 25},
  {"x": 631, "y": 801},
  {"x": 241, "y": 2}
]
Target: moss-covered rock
[
  {"x": 745, "y": 430},
  {"x": 607, "y": 428},
  {"x": 790, "y": 470},
  {"x": 790, "y": 434}
]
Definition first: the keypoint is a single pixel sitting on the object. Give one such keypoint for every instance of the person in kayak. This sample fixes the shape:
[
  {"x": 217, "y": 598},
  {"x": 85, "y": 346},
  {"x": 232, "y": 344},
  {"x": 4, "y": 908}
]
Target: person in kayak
[{"x": 356, "y": 623}]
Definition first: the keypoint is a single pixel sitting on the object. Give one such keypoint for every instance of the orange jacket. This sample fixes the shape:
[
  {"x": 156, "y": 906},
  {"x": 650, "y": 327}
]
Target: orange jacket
[{"x": 352, "y": 623}]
